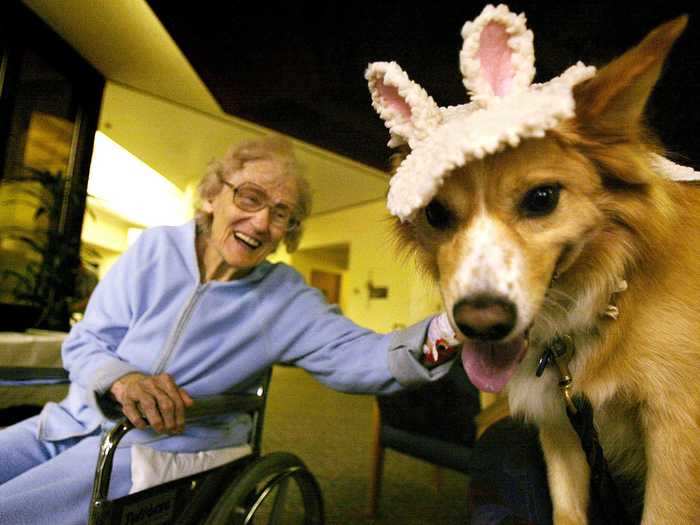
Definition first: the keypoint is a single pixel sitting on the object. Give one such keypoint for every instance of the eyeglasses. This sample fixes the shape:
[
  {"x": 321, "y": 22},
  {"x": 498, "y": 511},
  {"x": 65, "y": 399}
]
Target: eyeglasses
[{"x": 251, "y": 197}]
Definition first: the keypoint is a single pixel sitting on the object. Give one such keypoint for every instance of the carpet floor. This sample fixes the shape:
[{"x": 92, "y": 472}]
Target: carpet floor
[{"x": 331, "y": 432}]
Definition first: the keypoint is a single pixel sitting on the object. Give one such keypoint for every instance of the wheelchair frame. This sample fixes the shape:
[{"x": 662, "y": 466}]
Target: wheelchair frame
[{"x": 232, "y": 493}]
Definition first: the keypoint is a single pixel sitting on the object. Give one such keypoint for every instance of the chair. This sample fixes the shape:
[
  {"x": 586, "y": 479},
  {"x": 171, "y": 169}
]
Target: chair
[{"x": 434, "y": 422}]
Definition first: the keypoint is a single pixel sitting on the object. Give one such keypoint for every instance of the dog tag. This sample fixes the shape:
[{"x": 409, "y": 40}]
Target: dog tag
[{"x": 560, "y": 351}]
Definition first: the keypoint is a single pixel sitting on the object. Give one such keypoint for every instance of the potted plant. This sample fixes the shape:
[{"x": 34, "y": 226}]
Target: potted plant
[{"x": 47, "y": 282}]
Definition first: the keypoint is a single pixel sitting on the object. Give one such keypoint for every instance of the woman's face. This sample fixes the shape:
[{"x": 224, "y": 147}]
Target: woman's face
[{"x": 243, "y": 239}]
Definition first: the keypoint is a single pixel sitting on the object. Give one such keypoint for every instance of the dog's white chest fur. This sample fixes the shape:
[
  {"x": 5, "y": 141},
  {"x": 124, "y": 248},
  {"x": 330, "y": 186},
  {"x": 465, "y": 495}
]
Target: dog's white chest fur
[{"x": 540, "y": 401}]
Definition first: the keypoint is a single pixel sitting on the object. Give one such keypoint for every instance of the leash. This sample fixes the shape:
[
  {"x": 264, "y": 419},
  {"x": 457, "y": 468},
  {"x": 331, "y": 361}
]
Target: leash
[{"x": 605, "y": 500}]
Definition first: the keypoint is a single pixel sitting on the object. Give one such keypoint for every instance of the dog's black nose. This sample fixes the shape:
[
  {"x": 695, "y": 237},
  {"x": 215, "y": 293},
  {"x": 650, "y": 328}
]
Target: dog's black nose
[{"x": 485, "y": 317}]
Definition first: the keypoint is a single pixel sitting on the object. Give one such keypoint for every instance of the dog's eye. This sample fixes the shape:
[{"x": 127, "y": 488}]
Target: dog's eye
[
  {"x": 541, "y": 200},
  {"x": 437, "y": 215}
]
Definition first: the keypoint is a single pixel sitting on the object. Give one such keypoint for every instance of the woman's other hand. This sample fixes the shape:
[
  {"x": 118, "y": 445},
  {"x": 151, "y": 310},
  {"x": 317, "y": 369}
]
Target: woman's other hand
[{"x": 152, "y": 400}]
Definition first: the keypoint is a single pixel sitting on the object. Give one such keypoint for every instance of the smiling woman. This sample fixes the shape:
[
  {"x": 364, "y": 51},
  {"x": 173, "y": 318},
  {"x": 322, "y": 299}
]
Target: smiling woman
[
  {"x": 276, "y": 151},
  {"x": 196, "y": 310},
  {"x": 252, "y": 199}
]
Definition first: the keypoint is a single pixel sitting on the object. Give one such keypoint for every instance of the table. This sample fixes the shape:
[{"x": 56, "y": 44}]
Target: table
[{"x": 39, "y": 349}]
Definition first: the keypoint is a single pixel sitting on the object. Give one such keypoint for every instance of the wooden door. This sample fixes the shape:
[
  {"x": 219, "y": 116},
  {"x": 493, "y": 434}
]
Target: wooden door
[{"x": 328, "y": 283}]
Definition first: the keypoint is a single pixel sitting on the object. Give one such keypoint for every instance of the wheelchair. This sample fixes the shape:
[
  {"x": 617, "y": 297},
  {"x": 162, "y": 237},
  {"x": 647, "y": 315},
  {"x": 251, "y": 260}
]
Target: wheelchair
[{"x": 275, "y": 488}]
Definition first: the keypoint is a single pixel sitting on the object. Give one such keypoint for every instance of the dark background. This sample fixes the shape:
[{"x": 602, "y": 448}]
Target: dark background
[{"x": 299, "y": 67}]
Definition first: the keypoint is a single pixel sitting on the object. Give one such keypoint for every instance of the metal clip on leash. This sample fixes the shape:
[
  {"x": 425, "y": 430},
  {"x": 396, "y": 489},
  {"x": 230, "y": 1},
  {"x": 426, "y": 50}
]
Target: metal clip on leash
[{"x": 560, "y": 351}]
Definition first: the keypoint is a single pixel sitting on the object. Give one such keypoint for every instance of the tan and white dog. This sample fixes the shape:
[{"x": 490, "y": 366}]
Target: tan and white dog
[{"x": 548, "y": 210}]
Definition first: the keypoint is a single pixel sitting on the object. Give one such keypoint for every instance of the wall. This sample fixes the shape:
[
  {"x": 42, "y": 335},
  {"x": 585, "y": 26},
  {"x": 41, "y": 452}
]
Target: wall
[
  {"x": 331, "y": 260},
  {"x": 372, "y": 256},
  {"x": 106, "y": 234}
]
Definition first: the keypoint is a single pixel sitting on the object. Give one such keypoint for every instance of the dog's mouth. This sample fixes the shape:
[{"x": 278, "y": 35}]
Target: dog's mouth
[{"x": 490, "y": 365}]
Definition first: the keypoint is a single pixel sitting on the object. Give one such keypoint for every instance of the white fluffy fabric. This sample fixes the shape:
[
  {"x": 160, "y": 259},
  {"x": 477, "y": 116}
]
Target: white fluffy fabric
[
  {"x": 423, "y": 115},
  {"x": 520, "y": 43},
  {"x": 468, "y": 133},
  {"x": 505, "y": 107},
  {"x": 673, "y": 171}
]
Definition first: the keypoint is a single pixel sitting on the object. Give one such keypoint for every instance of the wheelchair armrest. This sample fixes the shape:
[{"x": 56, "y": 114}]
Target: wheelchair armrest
[
  {"x": 216, "y": 405},
  {"x": 223, "y": 404}
]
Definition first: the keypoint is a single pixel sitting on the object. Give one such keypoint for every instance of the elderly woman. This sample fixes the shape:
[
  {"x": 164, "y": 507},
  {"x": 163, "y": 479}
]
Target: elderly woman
[{"x": 191, "y": 311}]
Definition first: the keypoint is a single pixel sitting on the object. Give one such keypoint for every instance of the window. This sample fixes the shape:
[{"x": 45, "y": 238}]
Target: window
[{"x": 49, "y": 102}]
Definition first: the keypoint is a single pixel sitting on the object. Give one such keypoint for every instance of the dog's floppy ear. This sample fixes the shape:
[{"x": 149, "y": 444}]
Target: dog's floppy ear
[
  {"x": 613, "y": 101},
  {"x": 407, "y": 110}
]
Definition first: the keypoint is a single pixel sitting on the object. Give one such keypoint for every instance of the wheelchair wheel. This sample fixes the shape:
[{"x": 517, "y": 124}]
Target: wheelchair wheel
[{"x": 274, "y": 489}]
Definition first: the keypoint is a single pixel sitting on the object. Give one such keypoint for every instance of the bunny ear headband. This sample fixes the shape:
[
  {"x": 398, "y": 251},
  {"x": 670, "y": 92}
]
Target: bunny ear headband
[{"x": 497, "y": 61}]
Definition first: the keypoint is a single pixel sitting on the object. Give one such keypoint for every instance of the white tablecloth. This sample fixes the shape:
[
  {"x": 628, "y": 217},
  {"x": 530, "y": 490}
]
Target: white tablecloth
[
  {"x": 31, "y": 349},
  {"x": 34, "y": 348}
]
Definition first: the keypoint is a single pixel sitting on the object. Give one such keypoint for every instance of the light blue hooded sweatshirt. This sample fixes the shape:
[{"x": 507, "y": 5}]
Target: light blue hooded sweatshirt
[{"x": 151, "y": 314}]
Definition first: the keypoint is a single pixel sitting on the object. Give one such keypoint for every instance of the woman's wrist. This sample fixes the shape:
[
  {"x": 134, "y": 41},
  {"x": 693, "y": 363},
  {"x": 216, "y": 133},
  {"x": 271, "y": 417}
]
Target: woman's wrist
[
  {"x": 441, "y": 342},
  {"x": 118, "y": 388}
]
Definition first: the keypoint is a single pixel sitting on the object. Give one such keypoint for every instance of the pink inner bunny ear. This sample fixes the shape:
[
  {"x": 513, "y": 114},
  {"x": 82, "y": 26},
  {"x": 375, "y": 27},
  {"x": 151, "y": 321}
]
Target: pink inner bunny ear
[
  {"x": 407, "y": 110},
  {"x": 391, "y": 98},
  {"x": 495, "y": 57}
]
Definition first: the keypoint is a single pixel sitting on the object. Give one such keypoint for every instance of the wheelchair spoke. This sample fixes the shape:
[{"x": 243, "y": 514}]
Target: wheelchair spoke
[
  {"x": 279, "y": 482},
  {"x": 278, "y": 504}
]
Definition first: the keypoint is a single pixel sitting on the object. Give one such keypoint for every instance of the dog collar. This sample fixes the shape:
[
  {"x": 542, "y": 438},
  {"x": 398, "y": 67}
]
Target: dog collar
[{"x": 560, "y": 350}]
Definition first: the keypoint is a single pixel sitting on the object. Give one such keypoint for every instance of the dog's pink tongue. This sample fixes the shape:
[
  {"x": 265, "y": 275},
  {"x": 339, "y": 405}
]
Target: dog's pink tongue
[{"x": 490, "y": 365}]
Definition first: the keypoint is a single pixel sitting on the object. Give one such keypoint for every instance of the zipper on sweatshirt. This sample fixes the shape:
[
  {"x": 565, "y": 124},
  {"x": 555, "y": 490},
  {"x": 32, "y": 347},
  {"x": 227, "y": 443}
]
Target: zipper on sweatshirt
[{"x": 175, "y": 335}]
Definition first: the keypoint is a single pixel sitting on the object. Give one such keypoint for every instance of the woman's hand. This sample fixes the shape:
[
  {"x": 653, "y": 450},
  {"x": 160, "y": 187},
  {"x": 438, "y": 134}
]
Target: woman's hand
[
  {"x": 441, "y": 343},
  {"x": 152, "y": 400}
]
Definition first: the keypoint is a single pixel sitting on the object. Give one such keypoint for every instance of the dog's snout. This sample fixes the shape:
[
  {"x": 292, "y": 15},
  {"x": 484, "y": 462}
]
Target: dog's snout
[{"x": 485, "y": 317}]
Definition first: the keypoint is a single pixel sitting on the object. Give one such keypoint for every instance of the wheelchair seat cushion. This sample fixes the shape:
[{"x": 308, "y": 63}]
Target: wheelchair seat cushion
[{"x": 150, "y": 467}]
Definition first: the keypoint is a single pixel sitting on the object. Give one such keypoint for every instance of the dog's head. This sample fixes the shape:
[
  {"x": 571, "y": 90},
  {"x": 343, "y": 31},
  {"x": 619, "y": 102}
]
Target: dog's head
[{"x": 501, "y": 196}]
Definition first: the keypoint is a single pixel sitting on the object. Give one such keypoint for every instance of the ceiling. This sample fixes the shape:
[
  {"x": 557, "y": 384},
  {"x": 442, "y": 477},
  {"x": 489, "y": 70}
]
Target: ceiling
[
  {"x": 179, "y": 142},
  {"x": 156, "y": 106},
  {"x": 297, "y": 67}
]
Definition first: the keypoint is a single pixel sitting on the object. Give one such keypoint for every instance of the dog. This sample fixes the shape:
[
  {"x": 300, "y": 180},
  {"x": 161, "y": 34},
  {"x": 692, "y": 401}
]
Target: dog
[{"x": 559, "y": 220}]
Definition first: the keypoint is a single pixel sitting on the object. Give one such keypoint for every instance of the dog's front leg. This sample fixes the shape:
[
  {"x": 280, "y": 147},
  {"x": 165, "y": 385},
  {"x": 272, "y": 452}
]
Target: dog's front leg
[
  {"x": 673, "y": 464},
  {"x": 567, "y": 471}
]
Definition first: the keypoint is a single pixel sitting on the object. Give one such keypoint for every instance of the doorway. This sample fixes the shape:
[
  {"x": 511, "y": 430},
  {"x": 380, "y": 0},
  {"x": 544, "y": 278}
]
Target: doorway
[{"x": 328, "y": 283}]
